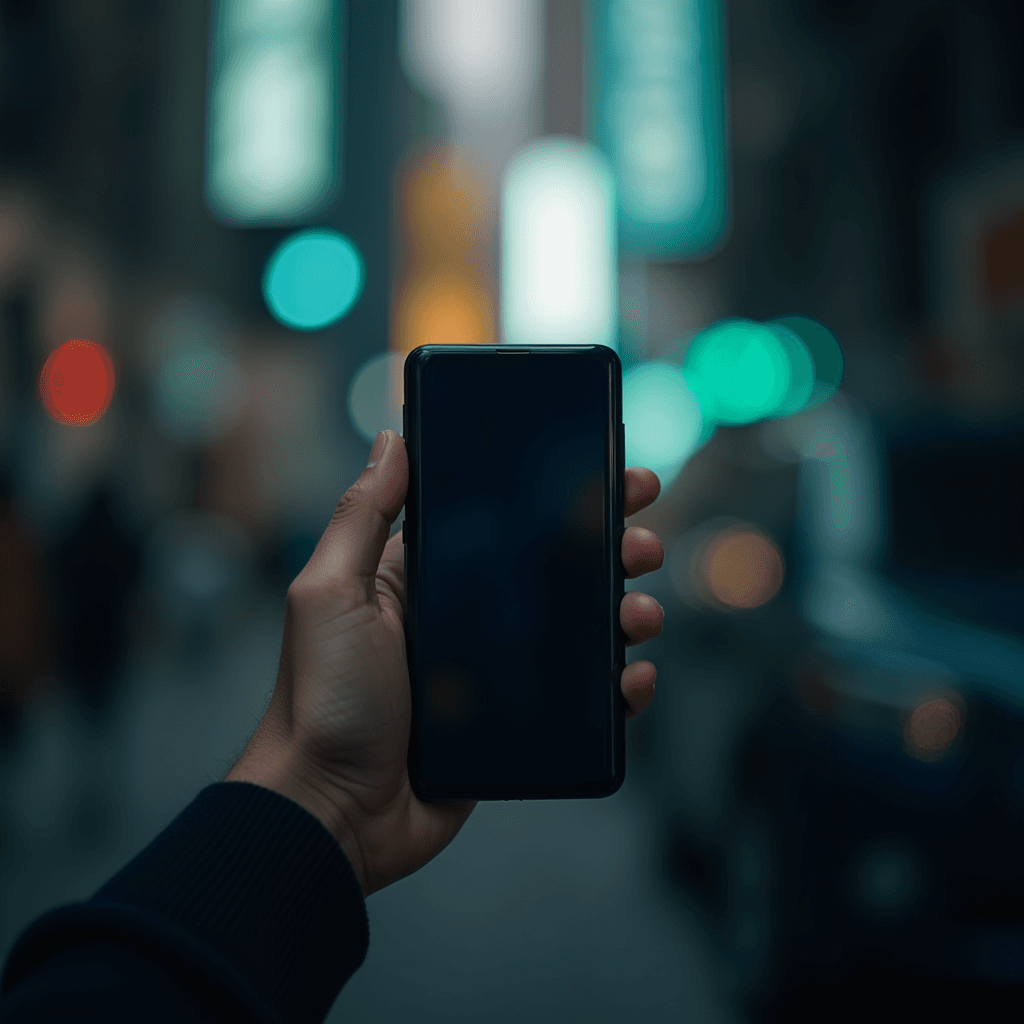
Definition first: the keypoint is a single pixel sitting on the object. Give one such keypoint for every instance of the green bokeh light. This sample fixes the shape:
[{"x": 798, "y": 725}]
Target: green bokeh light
[
  {"x": 801, "y": 370},
  {"x": 739, "y": 370},
  {"x": 312, "y": 279},
  {"x": 825, "y": 352}
]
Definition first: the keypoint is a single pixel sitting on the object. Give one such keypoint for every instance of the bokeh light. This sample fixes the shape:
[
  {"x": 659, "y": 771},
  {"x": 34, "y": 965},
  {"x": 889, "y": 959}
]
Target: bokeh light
[
  {"x": 801, "y": 370},
  {"x": 199, "y": 389},
  {"x": 313, "y": 279},
  {"x": 479, "y": 60},
  {"x": 558, "y": 260},
  {"x": 661, "y": 416},
  {"x": 444, "y": 308},
  {"x": 273, "y": 131},
  {"x": 375, "y": 395},
  {"x": 742, "y": 569},
  {"x": 739, "y": 370},
  {"x": 446, "y": 295},
  {"x": 932, "y": 728},
  {"x": 824, "y": 350},
  {"x": 662, "y": 122},
  {"x": 443, "y": 202},
  {"x": 200, "y": 394},
  {"x": 76, "y": 384}
]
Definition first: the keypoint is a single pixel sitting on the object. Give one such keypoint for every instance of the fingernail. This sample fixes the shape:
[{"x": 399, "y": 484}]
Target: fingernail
[{"x": 379, "y": 444}]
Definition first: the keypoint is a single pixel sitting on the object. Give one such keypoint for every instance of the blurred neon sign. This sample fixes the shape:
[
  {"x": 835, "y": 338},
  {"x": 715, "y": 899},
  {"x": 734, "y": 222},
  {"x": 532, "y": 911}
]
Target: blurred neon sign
[
  {"x": 273, "y": 147},
  {"x": 558, "y": 265},
  {"x": 659, "y": 102}
]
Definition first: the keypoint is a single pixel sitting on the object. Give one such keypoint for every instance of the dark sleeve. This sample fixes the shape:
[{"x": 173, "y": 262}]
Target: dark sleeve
[{"x": 243, "y": 908}]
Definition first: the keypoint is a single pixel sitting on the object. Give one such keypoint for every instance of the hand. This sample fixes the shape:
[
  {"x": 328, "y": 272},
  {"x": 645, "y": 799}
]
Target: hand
[{"x": 335, "y": 736}]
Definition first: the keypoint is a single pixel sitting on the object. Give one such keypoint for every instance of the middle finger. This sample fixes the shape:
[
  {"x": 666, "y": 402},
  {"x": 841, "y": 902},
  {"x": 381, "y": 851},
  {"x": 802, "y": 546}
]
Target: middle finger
[
  {"x": 642, "y": 551},
  {"x": 641, "y": 617}
]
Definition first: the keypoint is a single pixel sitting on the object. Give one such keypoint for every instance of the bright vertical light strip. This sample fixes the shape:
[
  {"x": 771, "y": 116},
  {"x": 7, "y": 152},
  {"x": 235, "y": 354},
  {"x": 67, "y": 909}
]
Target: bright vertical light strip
[
  {"x": 273, "y": 151},
  {"x": 558, "y": 262},
  {"x": 479, "y": 57},
  {"x": 659, "y": 101}
]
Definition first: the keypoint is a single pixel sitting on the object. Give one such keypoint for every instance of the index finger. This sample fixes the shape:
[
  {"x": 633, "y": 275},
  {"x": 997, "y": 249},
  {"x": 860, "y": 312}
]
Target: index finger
[{"x": 642, "y": 487}]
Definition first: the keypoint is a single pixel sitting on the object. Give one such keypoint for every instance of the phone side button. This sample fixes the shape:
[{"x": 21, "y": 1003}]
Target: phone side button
[{"x": 405, "y": 426}]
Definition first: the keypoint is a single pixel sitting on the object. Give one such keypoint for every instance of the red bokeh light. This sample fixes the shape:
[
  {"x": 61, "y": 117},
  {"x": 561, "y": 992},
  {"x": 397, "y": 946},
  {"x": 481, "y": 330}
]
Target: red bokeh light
[{"x": 76, "y": 384}]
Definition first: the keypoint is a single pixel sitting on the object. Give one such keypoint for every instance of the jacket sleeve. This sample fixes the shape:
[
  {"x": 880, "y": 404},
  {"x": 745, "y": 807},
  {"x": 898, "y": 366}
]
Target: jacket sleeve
[{"x": 243, "y": 908}]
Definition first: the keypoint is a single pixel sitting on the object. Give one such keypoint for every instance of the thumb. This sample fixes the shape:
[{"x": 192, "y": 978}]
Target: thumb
[{"x": 351, "y": 547}]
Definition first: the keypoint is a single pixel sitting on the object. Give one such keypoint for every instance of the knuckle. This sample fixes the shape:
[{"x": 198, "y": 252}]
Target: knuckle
[
  {"x": 300, "y": 593},
  {"x": 308, "y": 594}
]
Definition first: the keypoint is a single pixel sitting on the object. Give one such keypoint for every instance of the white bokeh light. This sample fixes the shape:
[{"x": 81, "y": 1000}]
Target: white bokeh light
[{"x": 559, "y": 283}]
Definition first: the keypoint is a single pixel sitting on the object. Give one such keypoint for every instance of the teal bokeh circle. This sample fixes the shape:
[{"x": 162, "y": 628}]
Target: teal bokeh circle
[
  {"x": 825, "y": 352},
  {"x": 739, "y": 370},
  {"x": 313, "y": 279}
]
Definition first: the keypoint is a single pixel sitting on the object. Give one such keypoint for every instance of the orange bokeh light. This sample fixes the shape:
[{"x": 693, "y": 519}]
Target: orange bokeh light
[
  {"x": 76, "y": 384},
  {"x": 932, "y": 727},
  {"x": 443, "y": 204},
  {"x": 444, "y": 309},
  {"x": 742, "y": 569}
]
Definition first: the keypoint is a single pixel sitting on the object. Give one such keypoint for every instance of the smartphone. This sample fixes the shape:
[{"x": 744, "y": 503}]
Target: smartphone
[{"x": 513, "y": 535}]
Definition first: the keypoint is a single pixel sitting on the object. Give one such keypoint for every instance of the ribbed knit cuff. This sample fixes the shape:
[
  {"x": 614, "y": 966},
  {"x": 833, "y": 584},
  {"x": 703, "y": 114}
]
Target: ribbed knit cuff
[{"x": 257, "y": 878}]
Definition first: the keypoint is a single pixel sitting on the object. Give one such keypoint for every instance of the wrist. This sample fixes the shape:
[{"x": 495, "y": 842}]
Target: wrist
[{"x": 278, "y": 768}]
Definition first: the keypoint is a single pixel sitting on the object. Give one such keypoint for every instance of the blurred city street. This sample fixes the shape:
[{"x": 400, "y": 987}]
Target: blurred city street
[
  {"x": 799, "y": 226},
  {"x": 567, "y": 893}
]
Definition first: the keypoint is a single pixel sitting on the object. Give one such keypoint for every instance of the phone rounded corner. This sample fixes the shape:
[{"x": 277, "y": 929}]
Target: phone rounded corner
[
  {"x": 411, "y": 359},
  {"x": 418, "y": 791},
  {"x": 423, "y": 791},
  {"x": 609, "y": 357},
  {"x": 616, "y": 782}
]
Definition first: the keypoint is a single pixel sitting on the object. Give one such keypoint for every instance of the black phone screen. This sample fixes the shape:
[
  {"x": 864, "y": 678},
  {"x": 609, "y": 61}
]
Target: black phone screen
[{"x": 513, "y": 571}]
